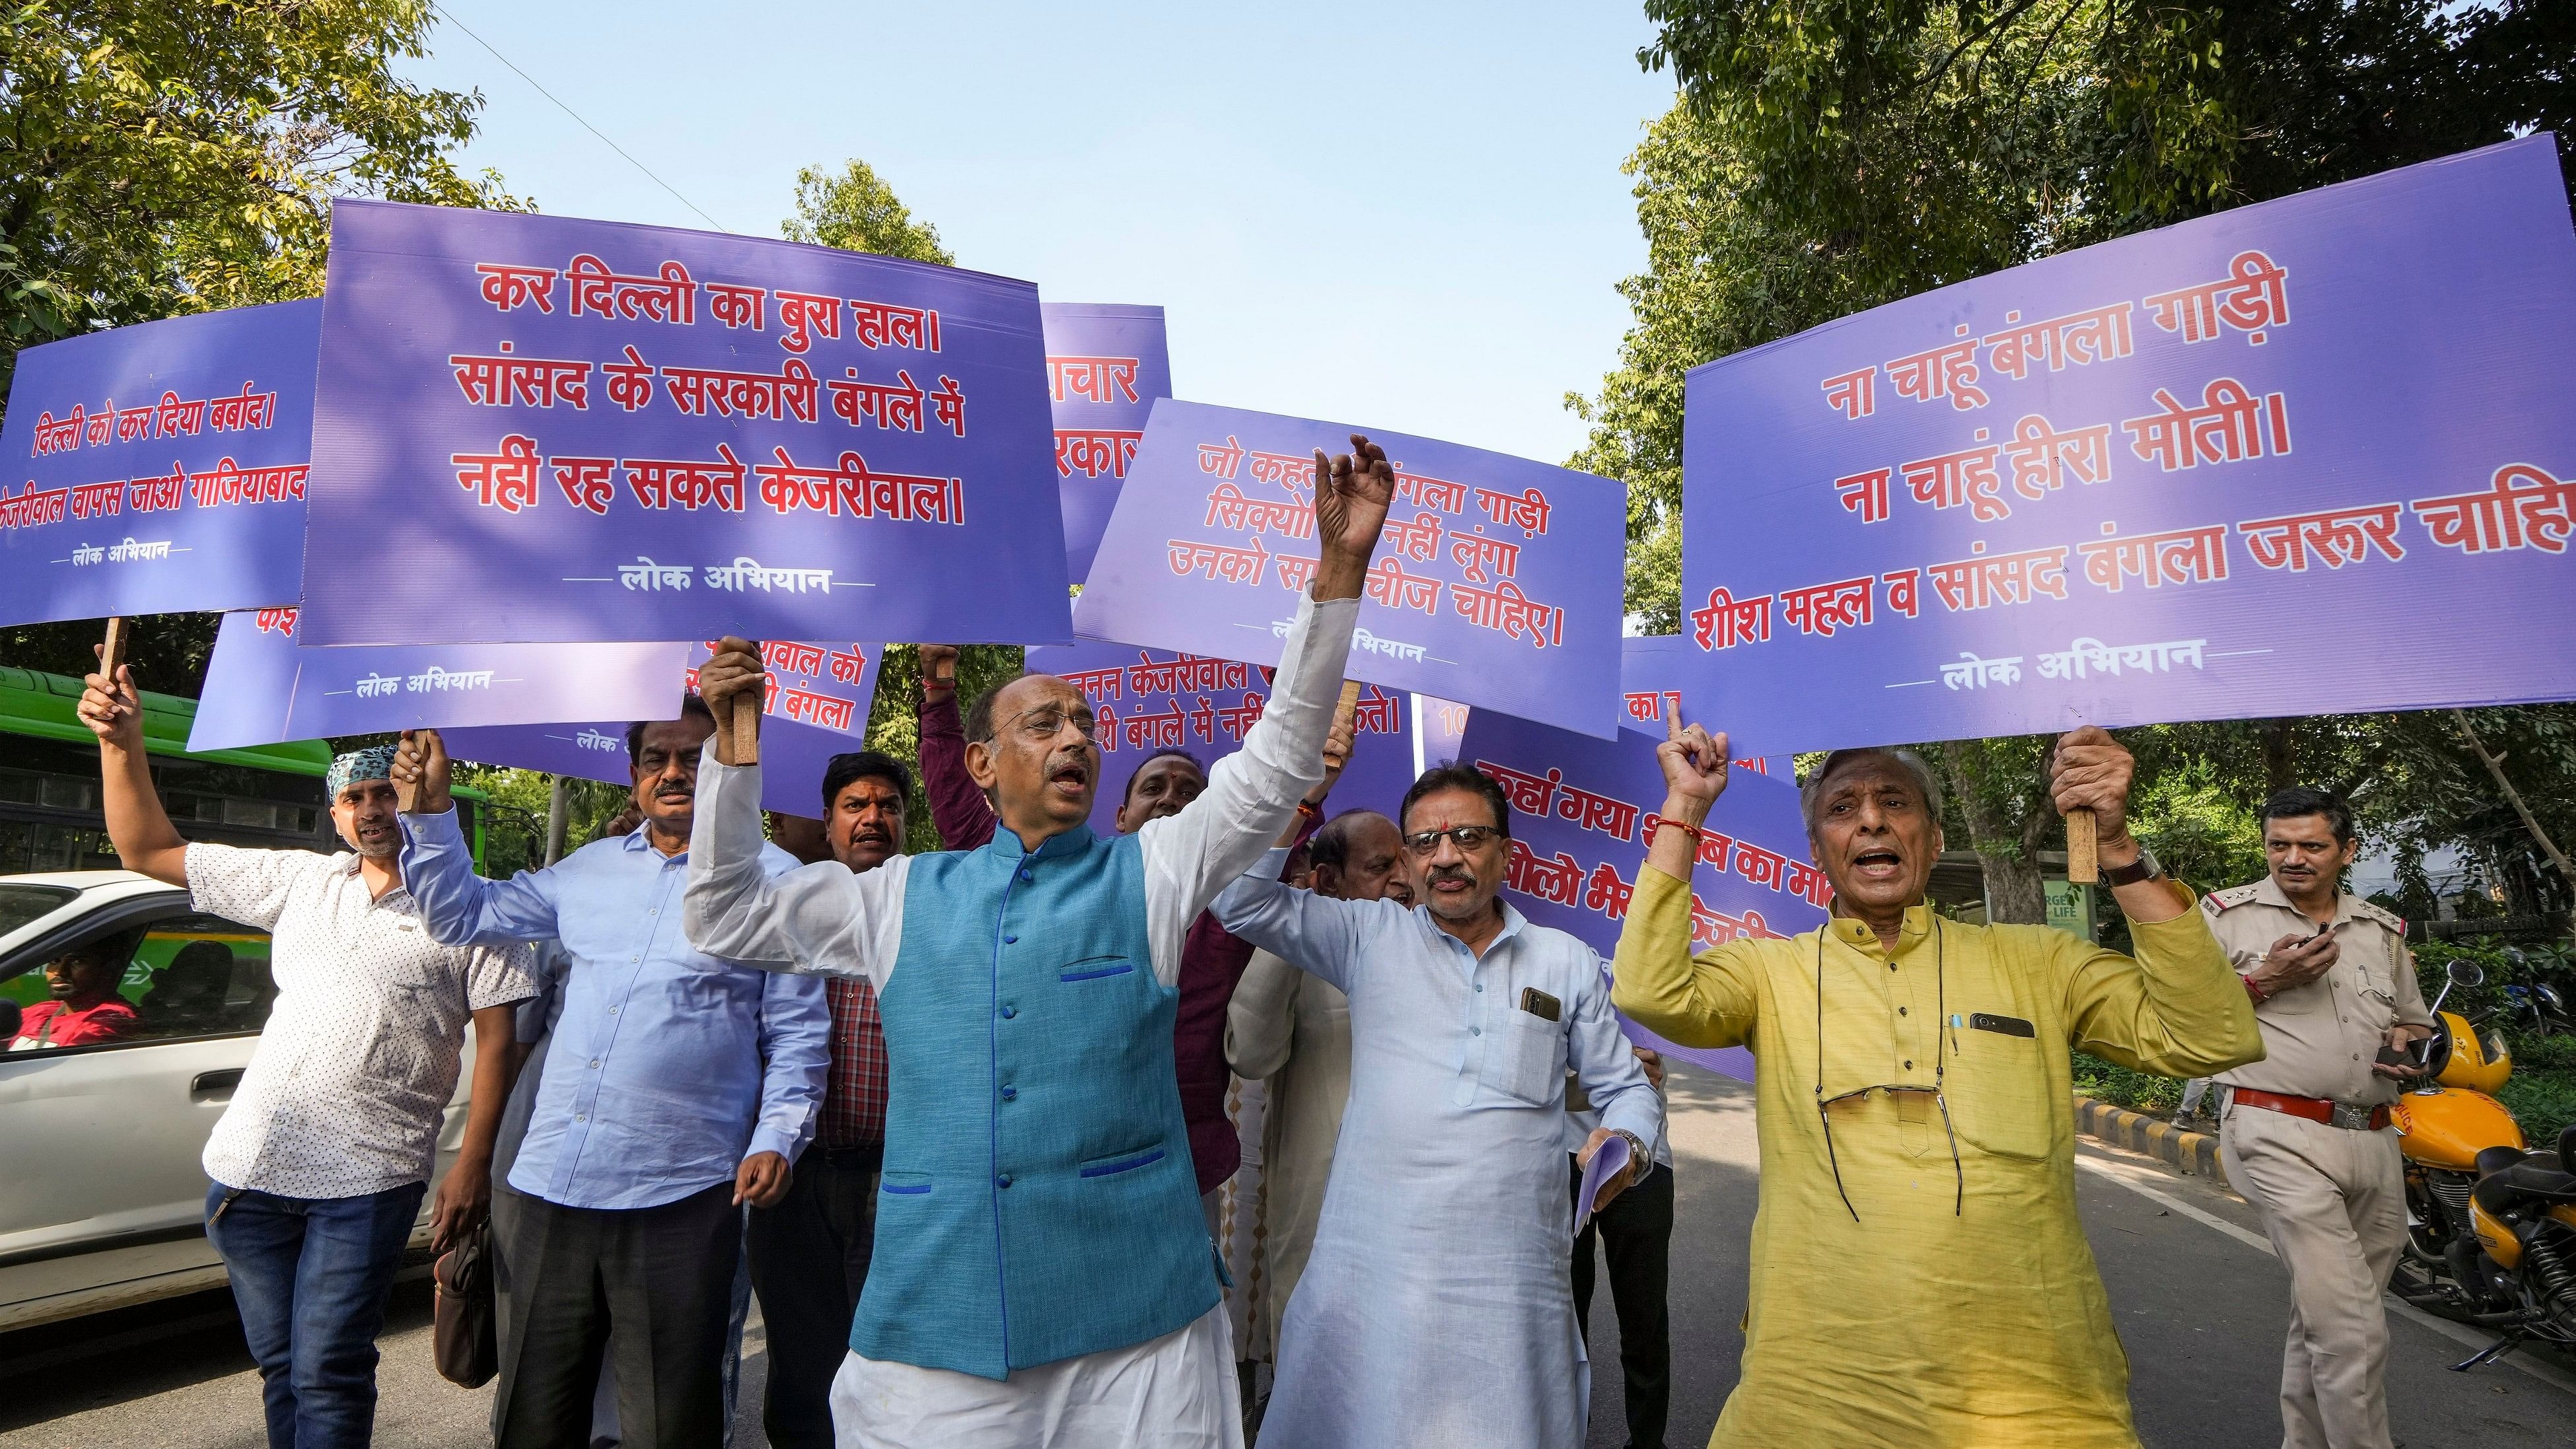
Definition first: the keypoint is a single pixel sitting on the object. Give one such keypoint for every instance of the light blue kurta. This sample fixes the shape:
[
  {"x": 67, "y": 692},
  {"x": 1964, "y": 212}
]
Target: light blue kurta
[{"x": 1437, "y": 1310}]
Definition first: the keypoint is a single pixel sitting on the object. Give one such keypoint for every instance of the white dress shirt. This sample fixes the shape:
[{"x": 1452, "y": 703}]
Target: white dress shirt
[{"x": 344, "y": 1092}]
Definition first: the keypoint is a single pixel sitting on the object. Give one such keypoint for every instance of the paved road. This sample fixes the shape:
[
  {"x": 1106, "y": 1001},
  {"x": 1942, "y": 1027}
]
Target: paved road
[{"x": 2198, "y": 1298}]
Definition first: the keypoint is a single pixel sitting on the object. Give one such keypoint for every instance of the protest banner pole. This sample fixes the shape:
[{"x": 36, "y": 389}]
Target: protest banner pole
[
  {"x": 2083, "y": 866},
  {"x": 407, "y": 792},
  {"x": 746, "y": 734},
  {"x": 111, "y": 654}
]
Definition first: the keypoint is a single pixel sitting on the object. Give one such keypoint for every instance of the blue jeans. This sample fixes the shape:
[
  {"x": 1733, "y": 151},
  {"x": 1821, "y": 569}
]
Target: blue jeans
[{"x": 311, "y": 1276}]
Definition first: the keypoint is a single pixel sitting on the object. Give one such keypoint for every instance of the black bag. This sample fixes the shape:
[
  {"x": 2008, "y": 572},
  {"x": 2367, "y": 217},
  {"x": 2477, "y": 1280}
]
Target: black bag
[{"x": 465, "y": 1336}]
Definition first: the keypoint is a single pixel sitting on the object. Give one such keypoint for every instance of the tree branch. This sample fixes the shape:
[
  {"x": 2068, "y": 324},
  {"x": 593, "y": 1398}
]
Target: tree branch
[{"x": 2495, "y": 767}]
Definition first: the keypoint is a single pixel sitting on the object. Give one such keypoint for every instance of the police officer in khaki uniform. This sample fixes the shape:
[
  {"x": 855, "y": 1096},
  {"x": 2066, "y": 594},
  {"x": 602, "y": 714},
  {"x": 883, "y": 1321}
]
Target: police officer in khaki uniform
[{"x": 2305, "y": 1130}]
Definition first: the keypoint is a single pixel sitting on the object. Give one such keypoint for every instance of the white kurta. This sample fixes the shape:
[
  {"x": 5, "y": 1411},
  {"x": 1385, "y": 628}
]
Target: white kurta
[
  {"x": 1437, "y": 1309},
  {"x": 1174, "y": 1392}
]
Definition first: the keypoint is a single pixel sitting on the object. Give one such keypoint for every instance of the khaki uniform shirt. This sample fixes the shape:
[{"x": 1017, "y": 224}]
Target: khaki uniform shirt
[
  {"x": 2319, "y": 1040},
  {"x": 1939, "y": 1318}
]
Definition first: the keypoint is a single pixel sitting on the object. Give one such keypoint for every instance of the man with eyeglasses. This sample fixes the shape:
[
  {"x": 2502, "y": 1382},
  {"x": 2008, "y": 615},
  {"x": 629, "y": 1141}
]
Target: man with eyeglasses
[
  {"x": 1043, "y": 1274},
  {"x": 1918, "y": 1273},
  {"x": 1437, "y": 1310},
  {"x": 676, "y": 1089}
]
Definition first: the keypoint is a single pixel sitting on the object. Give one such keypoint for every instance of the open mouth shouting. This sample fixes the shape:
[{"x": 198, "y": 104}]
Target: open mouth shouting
[
  {"x": 1069, "y": 775},
  {"x": 1878, "y": 863}
]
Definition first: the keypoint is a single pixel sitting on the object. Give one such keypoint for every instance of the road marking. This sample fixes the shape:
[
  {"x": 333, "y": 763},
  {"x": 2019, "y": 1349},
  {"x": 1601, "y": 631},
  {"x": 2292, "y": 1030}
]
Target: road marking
[{"x": 2126, "y": 1175}]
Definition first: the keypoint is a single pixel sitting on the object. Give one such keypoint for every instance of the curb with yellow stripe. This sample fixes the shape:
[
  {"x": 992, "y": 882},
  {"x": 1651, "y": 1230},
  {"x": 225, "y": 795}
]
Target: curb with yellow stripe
[{"x": 2192, "y": 1152}]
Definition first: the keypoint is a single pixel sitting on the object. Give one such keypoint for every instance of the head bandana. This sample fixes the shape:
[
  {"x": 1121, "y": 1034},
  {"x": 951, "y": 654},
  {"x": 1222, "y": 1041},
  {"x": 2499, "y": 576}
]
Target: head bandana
[{"x": 375, "y": 764}]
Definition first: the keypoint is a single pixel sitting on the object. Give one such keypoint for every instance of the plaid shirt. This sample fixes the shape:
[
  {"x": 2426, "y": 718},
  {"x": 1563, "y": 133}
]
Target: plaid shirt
[{"x": 854, "y": 1096}]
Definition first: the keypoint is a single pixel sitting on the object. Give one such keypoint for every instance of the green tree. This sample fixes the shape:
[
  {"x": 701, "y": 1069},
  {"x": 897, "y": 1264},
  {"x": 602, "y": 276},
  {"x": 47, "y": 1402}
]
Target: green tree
[
  {"x": 855, "y": 210},
  {"x": 168, "y": 156},
  {"x": 1827, "y": 158}
]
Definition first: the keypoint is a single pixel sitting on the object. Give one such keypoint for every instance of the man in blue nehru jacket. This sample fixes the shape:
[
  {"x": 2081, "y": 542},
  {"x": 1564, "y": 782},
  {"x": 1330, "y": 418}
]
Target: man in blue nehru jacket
[{"x": 1043, "y": 1274}]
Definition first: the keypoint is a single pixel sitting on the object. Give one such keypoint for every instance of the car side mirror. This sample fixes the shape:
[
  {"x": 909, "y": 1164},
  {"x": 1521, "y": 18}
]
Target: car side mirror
[
  {"x": 12, "y": 1017},
  {"x": 2468, "y": 973}
]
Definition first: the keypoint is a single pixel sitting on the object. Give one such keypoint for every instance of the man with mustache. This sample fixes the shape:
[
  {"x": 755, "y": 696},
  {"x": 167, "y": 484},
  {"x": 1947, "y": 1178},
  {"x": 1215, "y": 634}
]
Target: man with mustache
[
  {"x": 2304, "y": 1132},
  {"x": 1294, "y": 1029},
  {"x": 809, "y": 1254},
  {"x": 1212, "y": 962},
  {"x": 1918, "y": 1273},
  {"x": 676, "y": 1089},
  {"x": 1436, "y": 1310},
  {"x": 320, "y": 1160},
  {"x": 85, "y": 1008},
  {"x": 1045, "y": 1274}
]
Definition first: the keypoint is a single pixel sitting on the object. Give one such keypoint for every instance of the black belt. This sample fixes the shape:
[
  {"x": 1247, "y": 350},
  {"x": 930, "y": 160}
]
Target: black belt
[{"x": 867, "y": 1157}]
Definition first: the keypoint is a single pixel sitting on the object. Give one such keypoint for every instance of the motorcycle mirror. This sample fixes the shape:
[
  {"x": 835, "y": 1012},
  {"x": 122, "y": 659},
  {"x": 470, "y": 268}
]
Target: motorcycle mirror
[{"x": 2468, "y": 973}]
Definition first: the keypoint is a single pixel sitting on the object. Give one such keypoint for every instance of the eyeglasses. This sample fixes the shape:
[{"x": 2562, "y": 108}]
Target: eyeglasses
[
  {"x": 1467, "y": 837},
  {"x": 1895, "y": 1090},
  {"x": 1048, "y": 720}
]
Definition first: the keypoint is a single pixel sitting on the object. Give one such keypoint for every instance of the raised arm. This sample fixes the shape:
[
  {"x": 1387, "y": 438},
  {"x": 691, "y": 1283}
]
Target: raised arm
[
  {"x": 1317, "y": 933},
  {"x": 2176, "y": 1008},
  {"x": 822, "y": 918},
  {"x": 146, "y": 842},
  {"x": 1702, "y": 1001},
  {"x": 1252, "y": 794},
  {"x": 963, "y": 817},
  {"x": 457, "y": 906}
]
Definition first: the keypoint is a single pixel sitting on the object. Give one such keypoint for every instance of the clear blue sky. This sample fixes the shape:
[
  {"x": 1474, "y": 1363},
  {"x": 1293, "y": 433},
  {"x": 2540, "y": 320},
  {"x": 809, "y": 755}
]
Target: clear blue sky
[{"x": 1404, "y": 215}]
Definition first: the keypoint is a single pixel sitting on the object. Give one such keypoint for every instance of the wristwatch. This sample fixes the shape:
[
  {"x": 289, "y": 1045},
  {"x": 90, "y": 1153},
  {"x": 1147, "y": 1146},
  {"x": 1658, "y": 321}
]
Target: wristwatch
[
  {"x": 1639, "y": 1162},
  {"x": 2144, "y": 868}
]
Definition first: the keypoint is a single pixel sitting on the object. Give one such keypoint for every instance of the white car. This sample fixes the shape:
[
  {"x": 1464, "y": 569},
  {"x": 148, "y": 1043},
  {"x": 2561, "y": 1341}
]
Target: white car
[{"x": 102, "y": 1198}]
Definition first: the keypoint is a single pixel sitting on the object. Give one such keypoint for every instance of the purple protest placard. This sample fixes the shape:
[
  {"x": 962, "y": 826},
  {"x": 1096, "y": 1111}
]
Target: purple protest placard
[
  {"x": 1498, "y": 581},
  {"x": 1143, "y": 700},
  {"x": 1582, "y": 816},
  {"x": 260, "y": 688},
  {"x": 597, "y": 431},
  {"x": 1652, "y": 669},
  {"x": 159, "y": 467},
  {"x": 2116, "y": 485},
  {"x": 1105, "y": 367},
  {"x": 1438, "y": 726},
  {"x": 816, "y": 707}
]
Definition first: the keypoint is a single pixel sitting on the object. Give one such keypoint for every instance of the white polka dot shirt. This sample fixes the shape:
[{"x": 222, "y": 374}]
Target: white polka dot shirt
[{"x": 344, "y": 1092}]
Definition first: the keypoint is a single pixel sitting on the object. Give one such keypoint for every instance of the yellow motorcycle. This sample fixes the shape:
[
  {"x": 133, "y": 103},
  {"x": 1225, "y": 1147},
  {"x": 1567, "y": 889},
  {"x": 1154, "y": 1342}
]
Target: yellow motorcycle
[{"x": 2491, "y": 1227}]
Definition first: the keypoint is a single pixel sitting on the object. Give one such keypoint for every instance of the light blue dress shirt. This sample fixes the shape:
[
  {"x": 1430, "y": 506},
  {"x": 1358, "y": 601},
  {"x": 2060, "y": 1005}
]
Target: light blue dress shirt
[
  {"x": 668, "y": 1067},
  {"x": 1447, "y": 1205}
]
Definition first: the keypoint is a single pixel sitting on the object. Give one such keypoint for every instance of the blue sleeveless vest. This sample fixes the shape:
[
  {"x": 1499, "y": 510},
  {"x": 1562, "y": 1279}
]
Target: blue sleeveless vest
[{"x": 1038, "y": 1200}]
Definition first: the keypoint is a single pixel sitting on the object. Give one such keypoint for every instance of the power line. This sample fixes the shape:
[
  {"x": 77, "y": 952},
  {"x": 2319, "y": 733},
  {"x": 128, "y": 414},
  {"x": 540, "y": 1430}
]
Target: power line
[{"x": 450, "y": 17}]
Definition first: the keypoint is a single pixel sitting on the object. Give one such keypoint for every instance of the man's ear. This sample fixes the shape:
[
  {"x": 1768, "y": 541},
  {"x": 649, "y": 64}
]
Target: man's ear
[{"x": 979, "y": 765}]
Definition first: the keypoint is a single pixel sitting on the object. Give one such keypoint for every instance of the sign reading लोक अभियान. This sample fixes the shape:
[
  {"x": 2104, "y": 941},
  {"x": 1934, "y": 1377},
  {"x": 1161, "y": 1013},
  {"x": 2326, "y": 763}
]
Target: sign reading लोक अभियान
[
  {"x": 1141, "y": 703},
  {"x": 2144, "y": 480},
  {"x": 1583, "y": 817},
  {"x": 159, "y": 467},
  {"x": 815, "y": 707},
  {"x": 590, "y": 430},
  {"x": 1497, "y": 581},
  {"x": 1105, "y": 367},
  {"x": 260, "y": 688}
]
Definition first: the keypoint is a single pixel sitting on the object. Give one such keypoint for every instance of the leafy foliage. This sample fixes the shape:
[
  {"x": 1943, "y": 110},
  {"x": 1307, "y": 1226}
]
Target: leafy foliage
[
  {"x": 855, "y": 210},
  {"x": 169, "y": 156}
]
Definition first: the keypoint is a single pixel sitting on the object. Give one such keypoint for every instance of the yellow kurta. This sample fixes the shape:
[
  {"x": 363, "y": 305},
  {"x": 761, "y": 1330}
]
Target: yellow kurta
[{"x": 1915, "y": 1327}]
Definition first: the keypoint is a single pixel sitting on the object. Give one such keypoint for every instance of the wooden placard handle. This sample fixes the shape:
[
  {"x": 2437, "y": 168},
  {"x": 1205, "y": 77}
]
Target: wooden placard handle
[
  {"x": 2083, "y": 865},
  {"x": 746, "y": 731},
  {"x": 1349, "y": 707},
  {"x": 407, "y": 792},
  {"x": 120, "y": 631}
]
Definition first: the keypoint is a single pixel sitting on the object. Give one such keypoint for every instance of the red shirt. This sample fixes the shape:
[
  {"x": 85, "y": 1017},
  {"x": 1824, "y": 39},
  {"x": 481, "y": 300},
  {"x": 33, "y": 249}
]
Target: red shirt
[
  {"x": 53, "y": 1024},
  {"x": 854, "y": 1093}
]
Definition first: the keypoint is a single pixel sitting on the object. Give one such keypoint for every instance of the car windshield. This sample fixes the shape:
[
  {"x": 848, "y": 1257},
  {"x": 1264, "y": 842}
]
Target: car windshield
[{"x": 20, "y": 904}]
